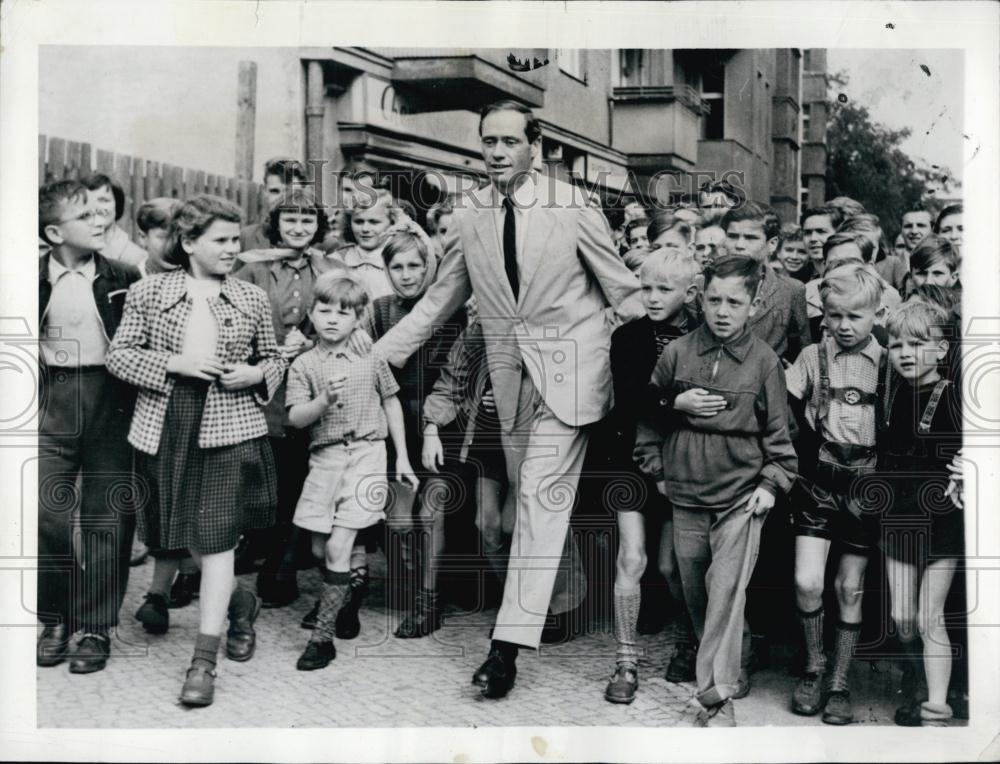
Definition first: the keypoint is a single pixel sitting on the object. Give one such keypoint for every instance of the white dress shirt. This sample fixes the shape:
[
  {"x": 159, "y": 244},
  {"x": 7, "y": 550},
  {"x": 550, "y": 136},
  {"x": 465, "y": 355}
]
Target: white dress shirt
[{"x": 73, "y": 333}]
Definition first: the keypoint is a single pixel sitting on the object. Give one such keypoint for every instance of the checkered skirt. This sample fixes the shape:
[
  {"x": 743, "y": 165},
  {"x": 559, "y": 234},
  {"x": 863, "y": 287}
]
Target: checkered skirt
[{"x": 202, "y": 499}]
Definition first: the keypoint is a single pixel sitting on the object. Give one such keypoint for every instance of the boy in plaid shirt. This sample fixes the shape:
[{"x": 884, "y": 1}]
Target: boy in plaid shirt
[{"x": 348, "y": 402}]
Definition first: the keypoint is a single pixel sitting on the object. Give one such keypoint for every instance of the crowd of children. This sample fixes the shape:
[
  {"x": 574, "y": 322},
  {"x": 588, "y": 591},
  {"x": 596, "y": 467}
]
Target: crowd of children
[{"x": 781, "y": 367}]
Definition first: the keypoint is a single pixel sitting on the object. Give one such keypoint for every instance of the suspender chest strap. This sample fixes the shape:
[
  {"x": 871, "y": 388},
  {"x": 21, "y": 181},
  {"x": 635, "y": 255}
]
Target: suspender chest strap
[{"x": 932, "y": 404}]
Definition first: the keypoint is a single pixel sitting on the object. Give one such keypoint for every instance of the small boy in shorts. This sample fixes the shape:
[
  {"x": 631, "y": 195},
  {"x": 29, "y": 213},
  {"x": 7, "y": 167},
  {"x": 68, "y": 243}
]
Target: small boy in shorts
[
  {"x": 670, "y": 282},
  {"x": 833, "y": 389},
  {"x": 348, "y": 402},
  {"x": 726, "y": 454}
]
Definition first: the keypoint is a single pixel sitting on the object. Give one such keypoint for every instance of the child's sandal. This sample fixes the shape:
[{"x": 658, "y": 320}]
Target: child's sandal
[{"x": 934, "y": 714}]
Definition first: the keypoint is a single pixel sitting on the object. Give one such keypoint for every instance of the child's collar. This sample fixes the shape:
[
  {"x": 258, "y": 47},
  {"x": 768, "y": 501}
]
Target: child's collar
[{"x": 737, "y": 347}]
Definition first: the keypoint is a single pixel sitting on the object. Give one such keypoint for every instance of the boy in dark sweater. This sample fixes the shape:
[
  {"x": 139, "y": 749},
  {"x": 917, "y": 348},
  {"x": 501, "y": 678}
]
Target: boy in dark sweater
[
  {"x": 669, "y": 281},
  {"x": 721, "y": 426}
]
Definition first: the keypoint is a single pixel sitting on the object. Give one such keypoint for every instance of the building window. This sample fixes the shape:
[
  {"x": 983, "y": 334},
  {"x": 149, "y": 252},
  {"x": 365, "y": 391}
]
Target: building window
[
  {"x": 572, "y": 61},
  {"x": 713, "y": 92},
  {"x": 805, "y": 123}
]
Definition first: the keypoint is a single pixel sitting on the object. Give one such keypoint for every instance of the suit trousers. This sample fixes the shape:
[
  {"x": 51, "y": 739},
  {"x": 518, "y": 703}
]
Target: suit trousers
[
  {"x": 544, "y": 457},
  {"x": 716, "y": 554},
  {"x": 85, "y": 463}
]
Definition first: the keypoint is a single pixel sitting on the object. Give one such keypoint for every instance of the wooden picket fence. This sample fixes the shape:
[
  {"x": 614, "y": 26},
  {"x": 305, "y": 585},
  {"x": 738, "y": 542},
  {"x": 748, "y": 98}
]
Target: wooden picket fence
[{"x": 142, "y": 179}]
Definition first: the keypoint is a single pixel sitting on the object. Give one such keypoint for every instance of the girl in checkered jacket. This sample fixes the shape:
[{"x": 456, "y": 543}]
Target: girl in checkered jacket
[{"x": 200, "y": 347}]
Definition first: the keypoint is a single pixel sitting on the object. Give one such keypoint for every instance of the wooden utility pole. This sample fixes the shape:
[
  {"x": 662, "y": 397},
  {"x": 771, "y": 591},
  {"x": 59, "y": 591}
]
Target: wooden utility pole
[{"x": 246, "y": 116}]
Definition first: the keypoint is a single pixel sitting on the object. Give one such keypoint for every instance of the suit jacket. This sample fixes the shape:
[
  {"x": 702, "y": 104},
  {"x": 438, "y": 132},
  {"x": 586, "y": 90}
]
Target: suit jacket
[
  {"x": 559, "y": 328},
  {"x": 781, "y": 319}
]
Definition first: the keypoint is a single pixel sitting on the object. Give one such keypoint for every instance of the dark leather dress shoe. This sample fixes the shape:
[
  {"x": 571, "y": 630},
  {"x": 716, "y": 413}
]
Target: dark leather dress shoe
[
  {"x": 317, "y": 655},
  {"x": 199, "y": 687},
  {"x": 53, "y": 645},
  {"x": 241, "y": 639},
  {"x": 495, "y": 677},
  {"x": 91, "y": 654}
]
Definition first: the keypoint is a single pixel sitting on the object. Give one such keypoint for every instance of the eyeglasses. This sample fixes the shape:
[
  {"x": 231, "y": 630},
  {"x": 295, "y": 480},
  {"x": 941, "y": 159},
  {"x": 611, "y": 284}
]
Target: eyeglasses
[{"x": 87, "y": 217}]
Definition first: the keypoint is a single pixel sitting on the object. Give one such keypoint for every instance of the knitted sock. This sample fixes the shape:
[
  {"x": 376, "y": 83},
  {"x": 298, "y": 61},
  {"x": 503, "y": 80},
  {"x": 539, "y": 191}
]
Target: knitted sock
[
  {"x": 188, "y": 566},
  {"x": 206, "y": 650},
  {"x": 164, "y": 570},
  {"x": 626, "y": 602},
  {"x": 335, "y": 585},
  {"x": 812, "y": 628},
  {"x": 847, "y": 638}
]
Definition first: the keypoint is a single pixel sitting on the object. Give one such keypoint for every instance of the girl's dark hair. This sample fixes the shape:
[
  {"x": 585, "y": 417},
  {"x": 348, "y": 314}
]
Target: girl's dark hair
[
  {"x": 192, "y": 220},
  {"x": 98, "y": 180},
  {"x": 951, "y": 209},
  {"x": 302, "y": 201}
]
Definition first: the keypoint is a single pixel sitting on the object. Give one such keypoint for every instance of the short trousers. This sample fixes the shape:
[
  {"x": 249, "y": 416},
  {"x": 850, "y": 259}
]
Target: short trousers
[
  {"x": 346, "y": 487},
  {"x": 833, "y": 516}
]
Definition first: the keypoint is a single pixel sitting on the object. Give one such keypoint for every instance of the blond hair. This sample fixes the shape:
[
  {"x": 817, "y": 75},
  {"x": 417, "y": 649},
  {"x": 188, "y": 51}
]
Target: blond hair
[
  {"x": 918, "y": 319},
  {"x": 853, "y": 279}
]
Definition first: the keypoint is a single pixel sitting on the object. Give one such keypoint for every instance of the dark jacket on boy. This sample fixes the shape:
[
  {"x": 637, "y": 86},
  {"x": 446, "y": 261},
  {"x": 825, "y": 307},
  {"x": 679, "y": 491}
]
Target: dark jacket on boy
[{"x": 84, "y": 415}]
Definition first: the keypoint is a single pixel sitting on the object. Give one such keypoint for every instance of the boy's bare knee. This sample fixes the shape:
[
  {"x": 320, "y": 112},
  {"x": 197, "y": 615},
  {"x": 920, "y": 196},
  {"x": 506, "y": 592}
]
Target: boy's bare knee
[
  {"x": 808, "y": 584},
  {"x": 631, "y": 562},
  {"x": 848, "y": 590}
]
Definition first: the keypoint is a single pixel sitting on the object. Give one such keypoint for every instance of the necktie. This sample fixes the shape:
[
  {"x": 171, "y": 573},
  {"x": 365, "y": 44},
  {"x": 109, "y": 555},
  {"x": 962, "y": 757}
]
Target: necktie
[{"x": 510, "y": 245}]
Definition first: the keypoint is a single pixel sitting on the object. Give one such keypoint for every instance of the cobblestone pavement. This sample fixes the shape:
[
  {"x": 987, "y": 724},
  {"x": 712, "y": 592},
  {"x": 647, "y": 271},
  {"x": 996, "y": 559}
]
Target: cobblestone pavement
[{"x": 379, "y": 681}]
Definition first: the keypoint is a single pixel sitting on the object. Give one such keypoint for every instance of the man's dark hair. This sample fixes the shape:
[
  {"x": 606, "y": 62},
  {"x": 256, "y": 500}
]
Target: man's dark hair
[
  {"x": 532, "y": 129},
  {"x": 749, "y": 211},
  {"x": 834, "y": 213},
  {"x": 746, "y": 268}
]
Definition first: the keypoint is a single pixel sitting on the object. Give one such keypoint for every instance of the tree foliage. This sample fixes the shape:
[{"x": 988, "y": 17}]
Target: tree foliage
[{"x": 865, "y": 162}]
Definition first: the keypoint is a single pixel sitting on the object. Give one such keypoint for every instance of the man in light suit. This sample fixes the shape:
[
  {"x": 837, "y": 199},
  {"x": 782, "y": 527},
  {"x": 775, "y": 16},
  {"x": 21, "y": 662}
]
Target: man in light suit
[{"x": 538, "y": 256}]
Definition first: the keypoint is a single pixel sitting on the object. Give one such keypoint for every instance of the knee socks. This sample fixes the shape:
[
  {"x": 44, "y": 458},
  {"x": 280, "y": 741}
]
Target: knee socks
[
  {"x": 626, "y": 604},
  {"x": 812, "y": 629},
  {"x": 335, "y": 586},
  {"x": 847, "y": 639}
]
